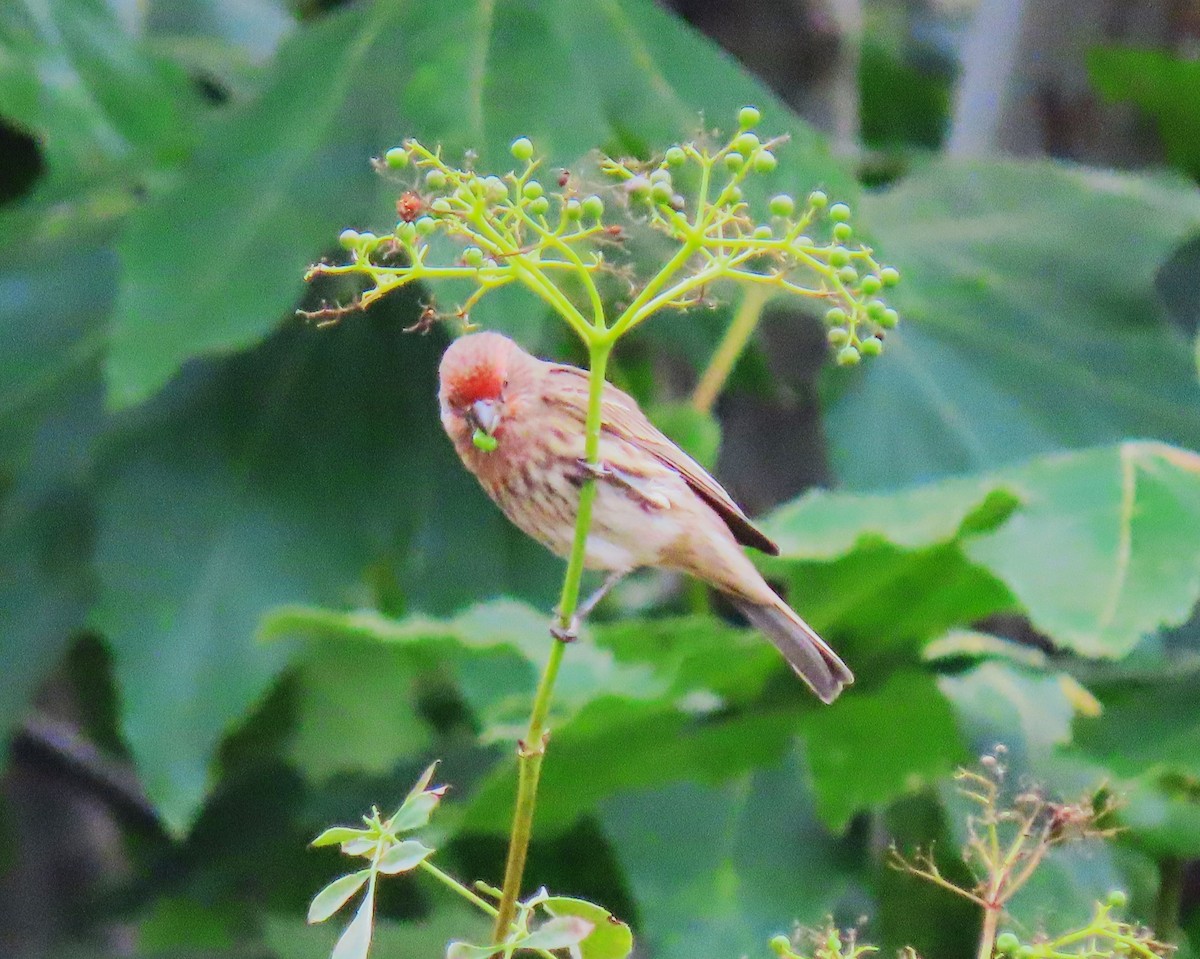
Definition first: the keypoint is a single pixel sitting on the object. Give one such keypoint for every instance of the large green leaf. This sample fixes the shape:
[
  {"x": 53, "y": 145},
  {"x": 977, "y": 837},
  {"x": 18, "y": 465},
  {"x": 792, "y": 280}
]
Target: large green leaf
[
  {"x": 719, "y": 870},
  {"x": 1099, "y": 548},
  {"x": 298, "y": 473},
  {"x": 277, "y": 178},
  {"x": 1032, "y": 322}
]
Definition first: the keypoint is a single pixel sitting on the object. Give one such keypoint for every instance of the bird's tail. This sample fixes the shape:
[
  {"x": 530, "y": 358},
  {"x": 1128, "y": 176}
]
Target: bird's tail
[{"x": 808, "y": 654}]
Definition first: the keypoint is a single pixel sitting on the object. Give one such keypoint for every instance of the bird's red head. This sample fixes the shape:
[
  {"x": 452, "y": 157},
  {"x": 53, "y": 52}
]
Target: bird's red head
[{"x": 474, "y": 376}]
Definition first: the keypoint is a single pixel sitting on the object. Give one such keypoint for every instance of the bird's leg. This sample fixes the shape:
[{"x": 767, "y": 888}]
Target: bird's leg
[{"x": 570, "y": 632}]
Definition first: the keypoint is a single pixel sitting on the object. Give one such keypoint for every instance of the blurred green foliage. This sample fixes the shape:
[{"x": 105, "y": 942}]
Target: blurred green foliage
[{"x": 302, "y": 597}]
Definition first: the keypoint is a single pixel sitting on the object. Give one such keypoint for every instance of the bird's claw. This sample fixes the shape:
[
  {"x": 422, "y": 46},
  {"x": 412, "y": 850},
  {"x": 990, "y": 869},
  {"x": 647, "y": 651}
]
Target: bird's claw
[
  {"x": 565, "y": 634},
  {"x": 596, "y": 471}
]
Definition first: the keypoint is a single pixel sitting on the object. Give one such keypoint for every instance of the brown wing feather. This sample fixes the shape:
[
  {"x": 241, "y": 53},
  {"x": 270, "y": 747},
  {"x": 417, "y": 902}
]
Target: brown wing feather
[{"x": 622, "y": 416}]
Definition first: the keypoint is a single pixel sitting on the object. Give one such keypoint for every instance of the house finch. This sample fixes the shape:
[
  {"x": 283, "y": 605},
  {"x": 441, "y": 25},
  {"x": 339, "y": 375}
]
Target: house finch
[{"x": 518, "y": 425}]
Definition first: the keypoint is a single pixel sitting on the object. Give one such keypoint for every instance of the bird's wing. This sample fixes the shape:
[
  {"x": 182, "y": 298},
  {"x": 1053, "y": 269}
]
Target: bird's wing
[{"x": 622, "y": 417}]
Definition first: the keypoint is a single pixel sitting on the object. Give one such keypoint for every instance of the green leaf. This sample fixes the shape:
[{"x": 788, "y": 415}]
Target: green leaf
[
  {"x": 1105, "y": 547},
  {"x": 355, "y": 942},
  {"x": 860, "y": 756},
  {"x": 558, "y": 933},
  {"x": 714, "y": 868},
  {"x": 404, "y": 856},
  {"x": 96, "y": 98},
  {"x": 1014, "y": 274},
  {"x": 330, "y": 899},
  {"x": 416, "y": 811},
  {"x": 285, "y": 172},
  {"x": 1146, "y": 726},
  {"x": 336, "y": 835},
  {"x": 609, "y": 939},
  {"x": 465, "y": 950},
  {"x": 1165, "y": 86}
]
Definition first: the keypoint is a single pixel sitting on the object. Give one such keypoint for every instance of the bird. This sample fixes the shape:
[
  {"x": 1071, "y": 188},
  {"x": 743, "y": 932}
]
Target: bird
[{"x": 518, "y": 424}]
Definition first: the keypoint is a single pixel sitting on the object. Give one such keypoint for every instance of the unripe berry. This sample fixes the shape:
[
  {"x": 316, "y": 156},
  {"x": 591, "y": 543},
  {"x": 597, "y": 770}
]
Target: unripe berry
[
  {"x": 531, "y": 190},
  {"x": 842, "y": 232},
  {"x": 870, "y": 284},
  {"x": 889, "y": 319},
  {"x": 889, "y": 276},
  {"x": 847, "y": 274},
  {"x": 425, "y": 225},
  {"x": 348, "y": 239},
  {"x": 1117, "y": 899},
  {"x": 661, "y": 192},
  {"x": 1006, "y": 942},
  {"x": 817, "y": 200},
  {"x": 676, "y": 157},
  {"x": 435, "y": 179},
  {"x": 875, "y": 309},
  {"x": 440, "y": 205},
  {"x": 473, "y": 256},
  {"x": 1024, "y": 952},
  {"x": 734, "y": 161},
  {"x": 660, "y": 176},
  {"x": 835, "y": 316},
  {"x": 540, "y": 206},
  {"x": 746, "y": 143},
  {"x": 848, "y": 356},
  {"x": 838, "y": 336},
  {"x": 748, "y": 117},
  {"x": 522, "y": 148},
  {"x": 765, "y": 162},
  {"x": 396, "y": 158},
  {"x": 839, "y": 212},
  {"x": 638, "y": 187},
  {"x": 871, "y": 346},
  {"x": 572, "y": 210},
  {"x": 593, "y": 206},
  {"x": 762, "y": 232},
  {"x": 731, "y": 194},
  {"x": 405, "y": 232},
  {"x": 782, "y": 205},
  {"x": 484, "y": 442},
  {"x": 839, "y": 256},
  {"x": 495, "y": 188}
]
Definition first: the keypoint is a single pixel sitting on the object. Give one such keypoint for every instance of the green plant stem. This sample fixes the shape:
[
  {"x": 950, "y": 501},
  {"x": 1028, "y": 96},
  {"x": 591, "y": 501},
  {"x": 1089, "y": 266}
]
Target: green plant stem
[
  {"x": 987, "y": 934},
  {"x": 712, "y": 381},
  {"x": 447, "y": 880},
  {"x": 532, "y": 749}
]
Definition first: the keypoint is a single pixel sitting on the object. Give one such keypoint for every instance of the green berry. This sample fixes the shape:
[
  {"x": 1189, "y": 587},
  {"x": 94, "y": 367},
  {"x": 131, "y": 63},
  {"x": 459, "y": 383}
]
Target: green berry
[
  {"x": 889, "y": 276},
  {"x": 522, "y": 148},
  {"x": 660, "y": 176},
  {"x": 782, "y": 205},
  {"x": 540, "y": 206},
  {"x": 817, "y": 200},
  {"x": 676, "y": 157},
  {"x": 838, "y": 336},
  {"x": 839, "y": 212},
  {"x": 762, "y": 232},
  {"x": 435, "y": 179},
  {"x": 842, "y": 232},
  {"x": 871, "y": 346},
  {"x": 405, "y": 232},
  {"x": 835, "y": 316},
  {"x": 531, "y": 190},
  {"x": 876, "y": 309},
  {"x": 425, "y": 225},
  {"x": 638, "y": 187},
  {"x": 396, "y": 158},
  {"x": 484, "y": 441},
  {"x": 348, "y": 239},
  {"x": 731, "y": 194},
  {"x": 473, "y": 256},
  {"x": 572, "y": 209},
  {"x": 661, "y": 192},
  {"x": 847, "y": 274},
  {"x": 1023, "y": 952},
  {"x": 765, "y": 162},
  {"x": 889, "y": 319},
  {"x": 1117, "y": 899},
  {"x": 495, "y": 189},
  {"x": 748, "y": 117},
  {"x": 746, "y": 143},
  {"x": 848, "y": 356},
  {"x": 593, "y": 206},
  {"x": 870, "y": 284},
  {"x": 1006, "y": 942},
  {"x": 839, "y": 256},
  {"x": 734, "y": 161},
  {"x": 440, "y": 205}
]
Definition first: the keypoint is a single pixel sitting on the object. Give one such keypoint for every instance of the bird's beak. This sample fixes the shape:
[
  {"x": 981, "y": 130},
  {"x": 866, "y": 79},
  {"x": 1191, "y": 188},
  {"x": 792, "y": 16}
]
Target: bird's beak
[{"x": 486, "y": 415}]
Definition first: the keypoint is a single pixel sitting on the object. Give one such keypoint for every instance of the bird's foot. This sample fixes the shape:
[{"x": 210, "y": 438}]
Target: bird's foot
[
  {"x": 639, "y": 488},
  {"x": 596, "y": 471},
  {"x": 565, "y": 634}
]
